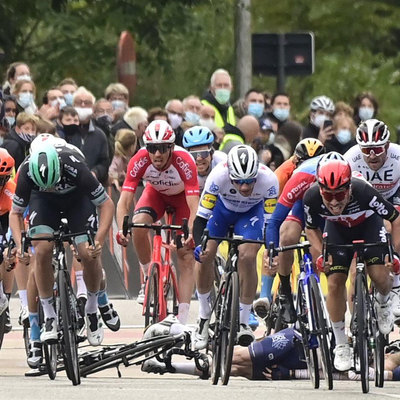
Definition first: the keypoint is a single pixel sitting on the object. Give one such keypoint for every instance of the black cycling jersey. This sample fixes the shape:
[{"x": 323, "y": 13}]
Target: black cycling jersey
[
  {"x": 364, "y": 202},
  {"x": 76, "y": 178}
]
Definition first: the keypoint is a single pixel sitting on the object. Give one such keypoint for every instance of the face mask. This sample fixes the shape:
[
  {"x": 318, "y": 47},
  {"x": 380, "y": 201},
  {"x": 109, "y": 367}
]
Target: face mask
[
  {"x": 84, "y": 113},
  {"x": 175, "y": 120},
  {"x": 255, "y": 109},
  {"x": 104, "y": 122},
  {"x": 192, "y": 117},
  {"x": 11, "y": 121},
  {"x": 69, "y": 97},
  {"x": 25, "y": 77},
  {"x": 344, "y": 136},
  {"x": 25, "y": 99},
  {"x": 365, "y": 113},
  {"x": 319, "y": 120},
  {"x": 208, "y": 123},
  {"x": 281, "y": 113},
  {"x": 222, "y": 95},
  {"x": 118, "y": 104},
  {"x": 61, "y": 103},
  {"x": 71, "y": 129},
  {"x": 26, "y": 137}
]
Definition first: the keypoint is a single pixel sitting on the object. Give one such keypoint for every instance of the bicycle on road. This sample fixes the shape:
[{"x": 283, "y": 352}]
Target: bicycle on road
[
  {"x": 161, "y": 293},
  {"x": 65, "y": 304},
  {"x": 368, "y": 342}
]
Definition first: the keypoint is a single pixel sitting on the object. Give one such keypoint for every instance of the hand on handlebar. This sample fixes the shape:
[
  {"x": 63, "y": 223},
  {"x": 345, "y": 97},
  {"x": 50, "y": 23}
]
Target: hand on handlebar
[
  {"x": 121, "y": 239},
  {"x": 189, "y": 242},
  {"x": 324, "y": 266},
  {"x": 393, "y": 266},
  {"x": 94, "y": 251},
  {"x": 199, "y": 254},
  {"x": 270, "y": 270},
  {"x": 22, "y": 257},
  {"x": 10, "y": 260}
]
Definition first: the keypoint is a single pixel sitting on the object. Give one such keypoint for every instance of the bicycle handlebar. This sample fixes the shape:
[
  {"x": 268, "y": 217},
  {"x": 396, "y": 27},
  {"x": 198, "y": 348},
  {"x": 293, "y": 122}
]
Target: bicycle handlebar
[
  {"x": 126, "y": 226},
  {"x": 237, "y": 239}
]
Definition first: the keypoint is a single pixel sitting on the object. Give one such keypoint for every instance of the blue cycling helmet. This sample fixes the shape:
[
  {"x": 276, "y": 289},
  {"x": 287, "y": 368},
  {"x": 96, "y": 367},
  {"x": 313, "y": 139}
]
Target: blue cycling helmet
[{"x": 197, "y": 136}]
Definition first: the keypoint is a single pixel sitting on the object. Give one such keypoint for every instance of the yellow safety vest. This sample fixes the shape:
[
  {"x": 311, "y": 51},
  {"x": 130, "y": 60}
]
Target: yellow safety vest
[
  {"x": 231, "y": 119},
  {"x": 229, "y": 137}
]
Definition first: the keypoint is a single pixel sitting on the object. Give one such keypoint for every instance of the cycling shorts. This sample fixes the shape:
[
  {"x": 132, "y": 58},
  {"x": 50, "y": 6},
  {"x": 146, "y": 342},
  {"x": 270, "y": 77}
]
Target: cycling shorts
[
  {"x": 154, "y": 203},
  {"x": 282, "y": 349},
  {"x": 249, "y": 224},
  {"x": 371, "y": 231},
  {"x": 47, "y": 209}
]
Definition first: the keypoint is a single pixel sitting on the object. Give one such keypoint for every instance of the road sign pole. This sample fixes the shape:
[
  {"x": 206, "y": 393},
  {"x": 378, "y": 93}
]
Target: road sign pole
[{"x": 281, "y": 63}]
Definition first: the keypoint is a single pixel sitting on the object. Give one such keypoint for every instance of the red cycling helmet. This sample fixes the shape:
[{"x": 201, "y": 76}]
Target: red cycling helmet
[
  {"x": 159, "y": 131},
  {"x": 6, "y": 163},
  {"x": 334, "y": 175}
]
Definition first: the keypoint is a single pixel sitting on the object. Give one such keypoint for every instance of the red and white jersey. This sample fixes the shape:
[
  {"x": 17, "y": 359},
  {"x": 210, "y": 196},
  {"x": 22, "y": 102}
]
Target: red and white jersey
[
  {"x": 386, "y": 180},
  {"x": 179, "y": 176}
]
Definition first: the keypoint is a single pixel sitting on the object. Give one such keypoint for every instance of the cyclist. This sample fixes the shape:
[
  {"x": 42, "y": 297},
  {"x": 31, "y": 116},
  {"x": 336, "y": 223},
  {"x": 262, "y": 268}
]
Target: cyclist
[
  {"x": 171, "y": 177},
  {"x": 352, "y": 209},
  {"x": 377, "y": 160},
  {"x": 304, "y": 150},
  {"x": 241, "y": 193},
  {"x": 199, "y": 142},
  {"x": 55, "y": 182}
]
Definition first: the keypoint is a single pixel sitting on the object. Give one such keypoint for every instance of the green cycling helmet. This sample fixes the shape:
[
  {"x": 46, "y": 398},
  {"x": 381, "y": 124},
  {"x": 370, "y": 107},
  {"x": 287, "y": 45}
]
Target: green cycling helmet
[{"x": 44, "y": 166}]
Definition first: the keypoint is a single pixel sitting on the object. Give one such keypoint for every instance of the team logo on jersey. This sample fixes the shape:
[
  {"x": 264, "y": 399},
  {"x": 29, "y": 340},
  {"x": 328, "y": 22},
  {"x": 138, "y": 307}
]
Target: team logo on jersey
[
  {"x": 269, "y": 205},
  {"x": 279, "y": 341},
  {"x": 379, "y": 207},
  {"x": 213, "y": 187},
  {"x": 208, "y": 201},
  {"x": 232, "y": 191},
  {"x": 272, "y": 191}
]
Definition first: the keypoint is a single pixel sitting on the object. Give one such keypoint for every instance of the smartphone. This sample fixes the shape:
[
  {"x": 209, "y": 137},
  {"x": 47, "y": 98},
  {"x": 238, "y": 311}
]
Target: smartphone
[{"x": 328, "y": 123}]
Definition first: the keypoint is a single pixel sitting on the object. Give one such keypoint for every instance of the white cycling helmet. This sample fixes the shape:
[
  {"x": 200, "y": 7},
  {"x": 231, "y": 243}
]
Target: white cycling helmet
[
  {"x": 159, "y": 131},
  {"x": 44, "y": 138},
  {"x": 372, "y": 132},
  {"x": 242, "y": 162},
  {"x": 323, "y": 103},
  {"x": 332, "y": 155}
]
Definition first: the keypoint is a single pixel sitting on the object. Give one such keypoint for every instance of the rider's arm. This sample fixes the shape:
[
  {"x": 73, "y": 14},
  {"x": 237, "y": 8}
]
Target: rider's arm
[
  {"x": 106, "y": 210},
  {"x": 396, "y": 234},
  {"x": 193, "y": 203},
  {"x": 123, "y": 206},
  {"x": 17, "y": 226},
  {"x": 314, "y": 236}
]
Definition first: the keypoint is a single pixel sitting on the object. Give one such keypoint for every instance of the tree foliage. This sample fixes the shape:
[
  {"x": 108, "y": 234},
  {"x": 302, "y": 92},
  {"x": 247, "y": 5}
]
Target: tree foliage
[{"x": 180, "y": 42}]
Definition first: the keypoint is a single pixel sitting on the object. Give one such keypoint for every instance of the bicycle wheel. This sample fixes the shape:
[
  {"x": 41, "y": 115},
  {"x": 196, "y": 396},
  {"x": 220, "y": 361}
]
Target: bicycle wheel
[
  {"x": 69, "y": 328},
  {"x": 310, "y": 353},
  {"x": 323, "y": 331},
  {"x": 25, "y": 335},
  {"x": 2, "y": 327},
  {"x": 217, "y": 334},
  {"x": 361, "y": 331},
  {"x": 230, "y": 325},
  {"x": 171, "y": 292},
  {"x": 152, "y": 304}
]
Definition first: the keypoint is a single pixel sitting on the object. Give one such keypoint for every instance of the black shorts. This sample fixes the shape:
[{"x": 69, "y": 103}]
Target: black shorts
[
  {"x": 47, "y": 209},
  {"x": 371, "y": 231}
]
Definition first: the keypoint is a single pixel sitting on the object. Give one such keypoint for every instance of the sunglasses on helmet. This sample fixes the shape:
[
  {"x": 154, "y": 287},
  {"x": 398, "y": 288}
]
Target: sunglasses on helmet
[
  {"x": 241, "y": 182},
  {"x": 161, "y": 147},
  {"x": 377, "y": 150},
  {"x": 339, "y": 195},
  {"x": 200, "y": 153}
]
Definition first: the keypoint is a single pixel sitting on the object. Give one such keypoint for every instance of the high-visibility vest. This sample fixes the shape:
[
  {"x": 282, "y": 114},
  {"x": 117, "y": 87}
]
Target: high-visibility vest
[
  {"x": 231, "y": 119},
  {"x": 228, "y": 138}
]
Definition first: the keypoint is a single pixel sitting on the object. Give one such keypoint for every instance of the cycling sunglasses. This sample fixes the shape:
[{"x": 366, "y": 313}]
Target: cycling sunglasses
[
  {"x": 339, "y": 196},
  {"x": 241, "y": 182},
  {"x": 200, "y": 153},
  {"x": 161, "y": 147},
  {"x": 378, "y": 150}
]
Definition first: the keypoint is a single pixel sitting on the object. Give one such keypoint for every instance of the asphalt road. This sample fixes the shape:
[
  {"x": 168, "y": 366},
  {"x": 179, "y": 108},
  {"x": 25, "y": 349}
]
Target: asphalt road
[{"x": 135, "y": 384}]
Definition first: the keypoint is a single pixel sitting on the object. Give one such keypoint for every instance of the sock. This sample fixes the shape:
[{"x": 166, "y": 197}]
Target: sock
[
  {"x": 244, "y": 314},
  {"x": 48, "y": 307},
  {"x": 339, "y": 332},
  {"x": 34, "y": 323},
  {"x": 266, "y": 286},
  {"x": 2, "y": 294},
  {"x": 81, "y": 290},
  {"x": 382, "y": 298},
  {"x": 23, "y": 298},
  {"x": 102, "y": 299},
  {"x": 183, "y": 312},
  {"x": 285, "y": 284},
  {"x": 396, "y": 281},
  {"x": 91, "y": 304},
  {"x": 301, "y": 374},
  {"x": 186, "y": 368},
  {"x": 204, "y": 305},
  {"x": 145, "y": 268}
]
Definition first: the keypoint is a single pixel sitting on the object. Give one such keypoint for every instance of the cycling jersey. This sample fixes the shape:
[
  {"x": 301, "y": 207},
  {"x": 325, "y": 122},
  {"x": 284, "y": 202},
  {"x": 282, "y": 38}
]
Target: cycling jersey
[
  {"x": 219, "y": 186},
  {"x": 364, "y": 202},
  {"x": 386, "y": 180},
  {"x": 217, "y": 157},
  {"x": 6, "y": 197},
  {"x": 179, "y": 176}
]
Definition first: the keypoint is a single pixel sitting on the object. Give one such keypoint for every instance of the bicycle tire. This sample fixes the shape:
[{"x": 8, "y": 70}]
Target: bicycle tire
[
  {"x": 68, "y": 324},
  {"x": 26, "y": 335},
  {"x": 230, "y": 325},
  {"x": 323, "y": 331},
  {"x": 152, "y": 303},
  {"x": 2, "y": 327},
  {"x": 361, "y": 333},
  {"x": 381, "y": 341},
  {"x": 171, "y": 292},
  {"x": 217, "y": 333},
  {"x": 310, "y": 354}
]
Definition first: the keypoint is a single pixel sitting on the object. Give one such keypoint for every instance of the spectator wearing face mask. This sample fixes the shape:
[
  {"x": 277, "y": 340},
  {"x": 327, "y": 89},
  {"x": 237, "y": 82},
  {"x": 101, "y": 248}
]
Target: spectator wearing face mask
[
  {"x": 218, "y": 97},
  {"x": 344, "y": 129},
  {"x": 67, "y": 126},
  {"x": 365, "y": 107},
  {"x": 53, "y": 102},
  {"x": 280, "y": 110},
  {"x": 68, "y": 87},
  {"x": 25, "y": 92},
  {"x": 254, "y": 103},
  {"x": 174, "y": 108},
  {"x": 94, "y": 144},
  {"x": 16, "y": 71},
  {"x": 10, "y": 111},
  {"x": 118, "y": 95},
  {"x": 102, "y": 118},
  {"x": 19, "y": 139}
]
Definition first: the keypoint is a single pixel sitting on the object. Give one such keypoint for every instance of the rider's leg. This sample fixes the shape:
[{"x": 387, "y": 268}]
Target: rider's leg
[{"x": 141, "y": 241}]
